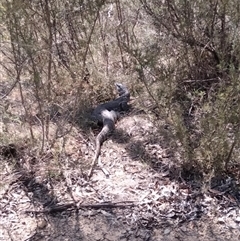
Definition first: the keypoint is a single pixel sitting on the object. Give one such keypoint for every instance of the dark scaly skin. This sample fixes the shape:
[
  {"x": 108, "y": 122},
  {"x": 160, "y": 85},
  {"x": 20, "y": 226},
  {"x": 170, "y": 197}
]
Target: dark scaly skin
[
  {"x": 120, "y": 104},
  {"x": 107, "y": 114}
]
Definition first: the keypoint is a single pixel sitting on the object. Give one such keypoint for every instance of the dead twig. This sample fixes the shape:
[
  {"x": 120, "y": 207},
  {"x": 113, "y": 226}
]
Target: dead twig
[
  {"x": 74, "y": 206},
  {"x": 199, "y": 80},
  {"x": 10, "y": 90}
]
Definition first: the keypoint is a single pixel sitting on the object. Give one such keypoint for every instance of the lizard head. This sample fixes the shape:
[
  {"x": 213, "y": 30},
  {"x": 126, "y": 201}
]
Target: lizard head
[{"x": 122, "y": 89}]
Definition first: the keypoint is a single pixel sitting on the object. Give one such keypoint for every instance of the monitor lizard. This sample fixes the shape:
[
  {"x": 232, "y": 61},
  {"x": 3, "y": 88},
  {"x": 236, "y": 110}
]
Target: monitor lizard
[{"x": 107, "y": 114}]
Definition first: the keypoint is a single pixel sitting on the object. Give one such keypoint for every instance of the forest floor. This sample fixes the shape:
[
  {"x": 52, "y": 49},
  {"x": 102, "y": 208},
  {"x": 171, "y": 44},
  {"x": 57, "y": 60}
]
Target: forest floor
[{"x": 145, "y": 197}]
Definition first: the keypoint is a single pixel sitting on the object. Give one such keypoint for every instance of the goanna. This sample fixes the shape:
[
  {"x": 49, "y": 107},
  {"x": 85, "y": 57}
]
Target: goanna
[{"x": 107, "y": 114}]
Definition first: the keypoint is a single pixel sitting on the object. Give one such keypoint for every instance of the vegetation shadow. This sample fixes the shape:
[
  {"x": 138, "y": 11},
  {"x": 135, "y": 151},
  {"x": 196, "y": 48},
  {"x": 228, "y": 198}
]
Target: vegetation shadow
[{"x": 40, "y": 193}]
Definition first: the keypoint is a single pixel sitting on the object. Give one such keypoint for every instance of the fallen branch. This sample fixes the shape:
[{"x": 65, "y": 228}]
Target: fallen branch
[
  {"x": 74, "y": 206},
  {"x": 199, "y": 80},
  {"x": 10, "y": 90}
]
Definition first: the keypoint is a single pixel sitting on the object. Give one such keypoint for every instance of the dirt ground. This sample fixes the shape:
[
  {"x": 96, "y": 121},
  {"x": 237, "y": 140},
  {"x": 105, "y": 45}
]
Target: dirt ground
[{"x": 143, "y": 198}]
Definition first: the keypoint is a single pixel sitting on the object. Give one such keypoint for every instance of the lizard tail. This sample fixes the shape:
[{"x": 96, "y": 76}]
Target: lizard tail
[{"x": 109, "y": 119}]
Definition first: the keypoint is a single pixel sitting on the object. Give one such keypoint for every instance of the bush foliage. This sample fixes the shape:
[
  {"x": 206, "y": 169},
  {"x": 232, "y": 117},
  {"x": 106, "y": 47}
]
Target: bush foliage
[{"x": 183, "y": 54}]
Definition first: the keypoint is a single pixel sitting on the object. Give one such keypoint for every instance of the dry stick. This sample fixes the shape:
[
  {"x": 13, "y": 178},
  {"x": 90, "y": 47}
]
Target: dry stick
[
  {"x": 236, "y": 137},
  {"x": 49, "y": 71},
  {"x": 199, "y": 80},
  {"x": 10, "y": 90},
  {"x": 25, "y": 109},
  {"x": 71, "y": 206},
  {"x": 118, "y": 34},
  {"x": 105, "y": 48}
]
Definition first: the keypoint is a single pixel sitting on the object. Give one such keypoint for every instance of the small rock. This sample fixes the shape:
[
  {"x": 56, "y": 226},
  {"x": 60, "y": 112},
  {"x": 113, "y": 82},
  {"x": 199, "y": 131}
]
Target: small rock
[
  {"x": 167, "y": 231},
  {"x": 237, "y": 219},
  {"x": 221, "y": 220},
  {"x": 232, "y": 224},
  {"x": 42, "y": 224}
]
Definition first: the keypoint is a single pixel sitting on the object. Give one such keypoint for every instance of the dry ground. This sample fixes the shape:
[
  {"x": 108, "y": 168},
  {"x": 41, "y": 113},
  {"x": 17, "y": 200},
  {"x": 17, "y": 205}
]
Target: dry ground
[{"x": 145, "y": 196}]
